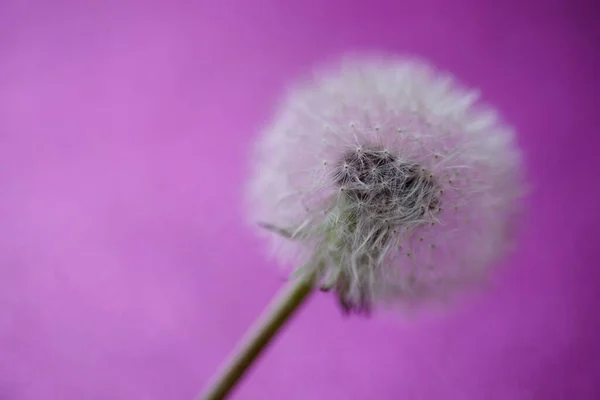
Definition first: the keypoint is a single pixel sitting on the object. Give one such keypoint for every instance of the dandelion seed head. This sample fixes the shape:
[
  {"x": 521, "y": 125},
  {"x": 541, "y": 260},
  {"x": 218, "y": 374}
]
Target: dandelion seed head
[{"x": 373, "y": 166}]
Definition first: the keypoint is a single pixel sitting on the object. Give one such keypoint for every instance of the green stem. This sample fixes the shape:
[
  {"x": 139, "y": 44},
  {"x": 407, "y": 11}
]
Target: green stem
[{"x": 279, "y": 311}]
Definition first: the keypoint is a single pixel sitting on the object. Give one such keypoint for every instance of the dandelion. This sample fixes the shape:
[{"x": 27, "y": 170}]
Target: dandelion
[{"x": 385, "y": 181}]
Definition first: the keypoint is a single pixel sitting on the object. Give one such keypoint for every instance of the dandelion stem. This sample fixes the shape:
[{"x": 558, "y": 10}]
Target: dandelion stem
[{"x": 258, "y": 337}]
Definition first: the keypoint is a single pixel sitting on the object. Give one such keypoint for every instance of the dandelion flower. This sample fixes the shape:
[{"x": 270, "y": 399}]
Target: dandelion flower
[{"x": 387, "y": 180}]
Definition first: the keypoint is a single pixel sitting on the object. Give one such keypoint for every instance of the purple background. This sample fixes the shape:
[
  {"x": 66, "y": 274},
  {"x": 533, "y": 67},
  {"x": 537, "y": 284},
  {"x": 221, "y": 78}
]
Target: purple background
[{"x": 126, "y": 271}]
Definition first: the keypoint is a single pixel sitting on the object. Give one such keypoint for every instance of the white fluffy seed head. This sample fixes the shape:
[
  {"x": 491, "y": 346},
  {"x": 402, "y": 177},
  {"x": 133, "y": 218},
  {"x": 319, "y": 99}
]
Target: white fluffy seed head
[{"x": 389, "y": 178}]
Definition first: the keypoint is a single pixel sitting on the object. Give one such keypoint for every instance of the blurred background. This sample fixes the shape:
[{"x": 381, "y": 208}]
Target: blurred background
[{"x": 126, "y": 268}]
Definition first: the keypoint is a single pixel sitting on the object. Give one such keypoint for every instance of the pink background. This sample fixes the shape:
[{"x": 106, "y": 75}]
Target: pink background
[{"x": 126, "y": 271}]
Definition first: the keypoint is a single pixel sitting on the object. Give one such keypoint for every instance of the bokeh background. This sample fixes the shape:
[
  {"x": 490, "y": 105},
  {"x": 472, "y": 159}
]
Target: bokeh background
[{"x": 126, "y": 268}]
